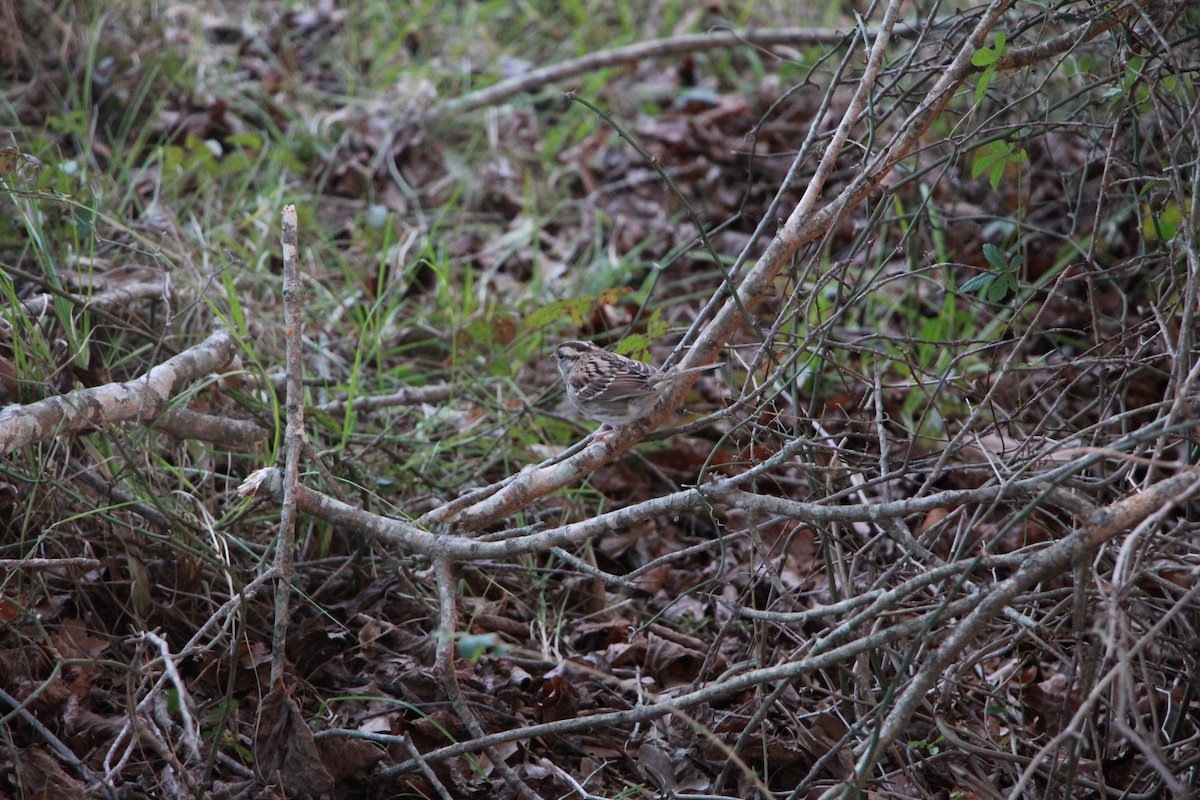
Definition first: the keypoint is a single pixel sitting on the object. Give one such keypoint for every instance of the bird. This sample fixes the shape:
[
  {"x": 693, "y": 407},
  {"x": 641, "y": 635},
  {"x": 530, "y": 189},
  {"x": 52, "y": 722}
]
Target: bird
[{"x": 611, "y": 388}]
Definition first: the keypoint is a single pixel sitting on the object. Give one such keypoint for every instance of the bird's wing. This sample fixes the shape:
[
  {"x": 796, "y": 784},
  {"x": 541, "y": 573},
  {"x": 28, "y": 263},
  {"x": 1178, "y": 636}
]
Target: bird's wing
[{"x": 632, "y": 380}]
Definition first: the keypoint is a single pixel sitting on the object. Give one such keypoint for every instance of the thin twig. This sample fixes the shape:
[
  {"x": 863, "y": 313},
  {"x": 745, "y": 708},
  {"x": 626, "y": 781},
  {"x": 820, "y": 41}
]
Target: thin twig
[
  {"x": 294, "y": 444},
  {"x": 446, "y": 643}
]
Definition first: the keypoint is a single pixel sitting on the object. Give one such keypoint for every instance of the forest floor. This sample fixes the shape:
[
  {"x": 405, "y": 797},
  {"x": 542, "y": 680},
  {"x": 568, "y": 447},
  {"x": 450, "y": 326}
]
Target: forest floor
[{"x": 928, "y": 532}]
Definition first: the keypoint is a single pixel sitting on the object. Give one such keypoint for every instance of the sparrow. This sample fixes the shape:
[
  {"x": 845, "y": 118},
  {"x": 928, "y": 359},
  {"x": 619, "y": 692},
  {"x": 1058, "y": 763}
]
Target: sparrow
[{"x": 610, "y": 388}]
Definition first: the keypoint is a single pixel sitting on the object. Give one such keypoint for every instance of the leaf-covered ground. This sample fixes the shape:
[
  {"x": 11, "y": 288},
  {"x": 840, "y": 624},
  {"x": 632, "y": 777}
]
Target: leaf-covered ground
[{"x": 928, "y": 532}]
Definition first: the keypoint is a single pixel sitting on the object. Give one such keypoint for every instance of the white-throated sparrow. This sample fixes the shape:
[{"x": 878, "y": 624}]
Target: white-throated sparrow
[{"x": 610, "y": 388}]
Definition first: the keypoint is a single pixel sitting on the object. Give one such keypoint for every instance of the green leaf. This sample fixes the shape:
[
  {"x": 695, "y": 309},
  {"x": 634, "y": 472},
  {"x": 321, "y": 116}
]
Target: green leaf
[
  {"x": 575, "y": 309},
  {"x": 995, "y": 285},
  {"x": 995, "y": 256},
  {"x": 996, "y": 291},
  {"x": 656, "y": 326},
  {"x": 1004, "y": 286},
  {"x": 637, "y": 343},
  {"x": 248, "y": 141},
  {"x": 474, "y": 646},
  {"x": 985, "y": 80},
  {"x": 980, "y": 284},
  {"x": 985, "y": 57},
  {"x": 1163, "y": 225},
  {"x": 994, "y": 157},
  {"x": 480, "y": 332},
  {"x": 547, "y": 315},
  {"x": 988, "y": 57}
]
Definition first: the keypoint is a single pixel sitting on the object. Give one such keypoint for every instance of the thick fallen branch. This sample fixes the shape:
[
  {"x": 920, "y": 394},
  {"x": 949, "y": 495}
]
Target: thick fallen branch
[{"x": 139, "y": 400}]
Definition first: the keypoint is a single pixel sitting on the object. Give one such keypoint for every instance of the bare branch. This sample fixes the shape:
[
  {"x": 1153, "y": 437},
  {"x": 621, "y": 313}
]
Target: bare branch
[{"x": 139, "y": 400}]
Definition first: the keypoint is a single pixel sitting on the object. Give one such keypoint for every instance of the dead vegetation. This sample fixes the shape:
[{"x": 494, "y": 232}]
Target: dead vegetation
[{"x": 308, "y": 520}]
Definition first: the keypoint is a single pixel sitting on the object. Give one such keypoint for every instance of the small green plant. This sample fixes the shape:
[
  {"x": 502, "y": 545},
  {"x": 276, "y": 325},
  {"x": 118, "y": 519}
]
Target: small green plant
[
  {"x": 995, "y": 157},
  {"x": 933, "y": 748},
  {"x": 474, "y": 646},
  {"x": 996, "y": 284},
  {"x": 988, "y": 57},
  {"x": 1162, "y": 224}
]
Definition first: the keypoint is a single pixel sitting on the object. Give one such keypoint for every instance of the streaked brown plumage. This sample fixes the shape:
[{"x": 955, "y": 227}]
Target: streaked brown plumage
[{"x": 610, "y": 388}]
